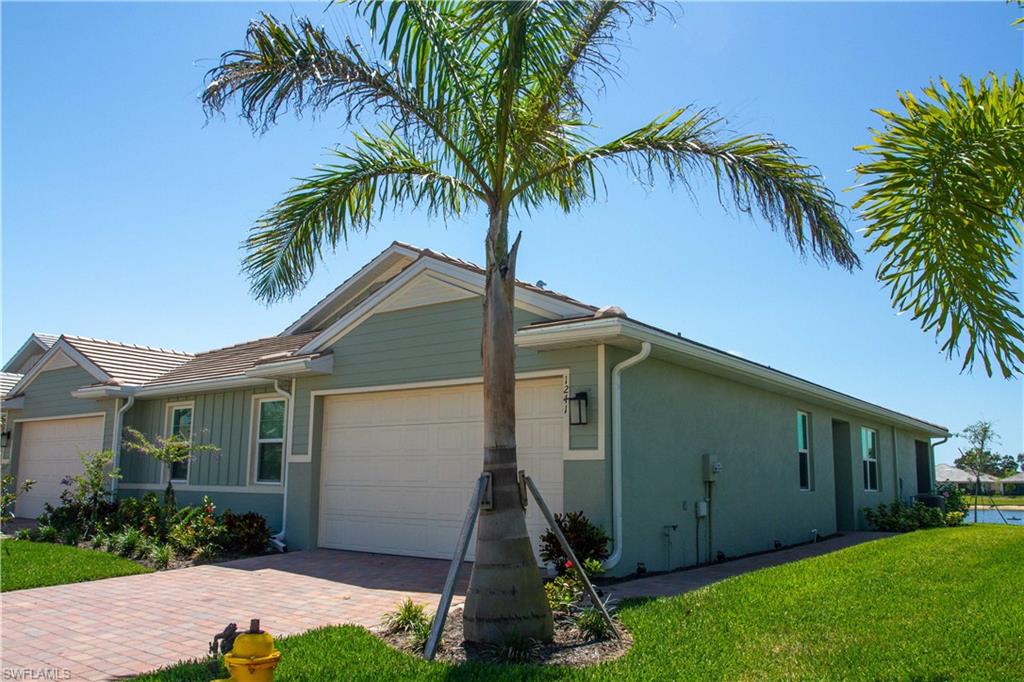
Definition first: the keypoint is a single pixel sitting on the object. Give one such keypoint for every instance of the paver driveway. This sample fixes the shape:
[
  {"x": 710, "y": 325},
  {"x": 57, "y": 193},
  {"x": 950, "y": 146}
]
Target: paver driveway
[{"x": 119, "y": 627}]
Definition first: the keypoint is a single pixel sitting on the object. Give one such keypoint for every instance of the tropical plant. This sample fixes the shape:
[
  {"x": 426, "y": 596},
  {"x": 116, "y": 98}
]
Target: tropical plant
[
  {"x": 897, "y": 517},
  {"x": 944, "y": 205},
  {"x": 591, "y": 624},
  {"x": 955, "y": 499},
  {"x": 406, "y": 617},
  {"x": 588, "y": 541},
  {"x": 245, "y": 533},
  {"x": 484, "y": 105},
  {"x": 168, "y": 450},
  {"x": 9, "y": 493}
]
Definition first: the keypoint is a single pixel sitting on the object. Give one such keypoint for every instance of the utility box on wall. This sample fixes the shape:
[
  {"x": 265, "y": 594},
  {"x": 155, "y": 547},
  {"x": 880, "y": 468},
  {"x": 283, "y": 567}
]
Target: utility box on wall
[{"x": 712, "y": 467}]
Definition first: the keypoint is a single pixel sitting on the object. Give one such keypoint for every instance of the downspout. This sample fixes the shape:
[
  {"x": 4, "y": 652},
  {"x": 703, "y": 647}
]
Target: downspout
[
  {"x": 278, "y": 541},
  {"x": 617, "y": 534},
  {"x": 117, "y": 437},
  {"x": 931, "y": 464},
  {"x": 896, "y": 466}
]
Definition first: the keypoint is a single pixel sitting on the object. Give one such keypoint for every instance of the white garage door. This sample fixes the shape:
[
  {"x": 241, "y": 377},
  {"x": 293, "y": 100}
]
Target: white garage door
[
  {"x": 48, "y": 453},
  {"x": 399, "y": 466}
]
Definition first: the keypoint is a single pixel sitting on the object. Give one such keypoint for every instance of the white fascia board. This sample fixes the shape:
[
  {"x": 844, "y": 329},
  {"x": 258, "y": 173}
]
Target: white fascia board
[
  {"x": 608, "y": 329},
  {"x": 59, "y": 346},
  {"x": 99, "y": 392},
  {"x": 293, "y": 367},
  {"x": 205, "y": 385},
  {"x": 355, "y": 282},
  {"x": 545, "y": 306}
]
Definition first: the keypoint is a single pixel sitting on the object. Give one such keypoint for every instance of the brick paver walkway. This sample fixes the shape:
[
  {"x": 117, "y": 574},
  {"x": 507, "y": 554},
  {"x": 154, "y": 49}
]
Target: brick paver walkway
[
  {"x": 106, "y": 629},
  {"x": 679, "y": 582}
]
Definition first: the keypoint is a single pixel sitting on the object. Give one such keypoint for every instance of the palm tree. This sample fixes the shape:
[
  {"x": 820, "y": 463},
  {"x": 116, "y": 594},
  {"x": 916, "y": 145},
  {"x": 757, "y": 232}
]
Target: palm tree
[
  {"x": 484, "y": 104},
  {"x": 944, "y": 205}
]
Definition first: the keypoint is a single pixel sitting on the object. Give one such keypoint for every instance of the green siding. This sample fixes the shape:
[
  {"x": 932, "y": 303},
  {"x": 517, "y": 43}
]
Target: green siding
[
  {"x": 49, "y": 395},
  {"x": 222, "y": 419}
]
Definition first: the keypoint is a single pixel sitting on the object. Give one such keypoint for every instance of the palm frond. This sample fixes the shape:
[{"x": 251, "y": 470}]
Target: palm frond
[
  {"x": 944, "y": 204},
  {"x": 377, "y": 173},
  {"x": 759, "y": 174}
]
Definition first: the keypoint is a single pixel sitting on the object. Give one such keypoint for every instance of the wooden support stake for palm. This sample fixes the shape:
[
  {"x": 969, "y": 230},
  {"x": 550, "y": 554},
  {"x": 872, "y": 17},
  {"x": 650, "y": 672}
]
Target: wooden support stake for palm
[{"x": 557, "y": 530}]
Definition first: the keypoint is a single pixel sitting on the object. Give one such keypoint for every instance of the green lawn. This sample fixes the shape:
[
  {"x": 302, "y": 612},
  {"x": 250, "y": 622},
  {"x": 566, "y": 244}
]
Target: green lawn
[
  {"x": 25, "y": 564},
  {"x": 1000, "y": 501},
  {"x": 912, "y": 607}
]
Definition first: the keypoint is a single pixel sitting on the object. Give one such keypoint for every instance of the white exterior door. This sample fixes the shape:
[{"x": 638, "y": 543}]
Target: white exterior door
[
  {"x": 399, "y": 466},
  {"x": 48, "y": 453}
]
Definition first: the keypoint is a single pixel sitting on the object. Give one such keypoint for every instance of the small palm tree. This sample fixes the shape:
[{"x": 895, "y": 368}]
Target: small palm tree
[{"x": 484, "y": 104}]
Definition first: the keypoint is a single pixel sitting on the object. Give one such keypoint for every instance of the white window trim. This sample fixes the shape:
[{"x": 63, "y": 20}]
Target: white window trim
[
  {"x": 254, "y": 439},
  {"x": 168, "y": 420},
  {"x": 878, "y": 471},
  {"x": 805, "y": 451}
]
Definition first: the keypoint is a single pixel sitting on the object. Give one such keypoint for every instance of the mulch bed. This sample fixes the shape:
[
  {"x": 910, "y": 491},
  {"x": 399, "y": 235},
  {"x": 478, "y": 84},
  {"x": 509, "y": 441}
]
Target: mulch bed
[{"x": 568, "y": 648}]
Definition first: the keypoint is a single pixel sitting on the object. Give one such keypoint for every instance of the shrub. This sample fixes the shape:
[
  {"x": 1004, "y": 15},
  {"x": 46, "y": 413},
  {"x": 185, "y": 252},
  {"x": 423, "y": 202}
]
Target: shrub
[
  {"x": 420, "y": 633},
  {"x": 563, "y": 592},
  {"x": 588, "y": 541},
  {"x": 145, "y": 513},
  {"x": 47, "y": 534},
  {"x": 98, "y": 541},
  {"x": 406, "y": 618},
  {"x": 23, "y": 534},
  {"x": 591, "y": 624},
  {"x": 955, "y": 499},
  {"x": 128, "y": 542},
  {"x": 245, "y": 533},
  {"x": 161, "y": 555},
  {"x": 9, "y": 493},
  {"x": 207, "y": 553},
  {"x": 193, "y": 528},
  {"x": 954, "y": 518},
  {"x": 899, "y": 518}
]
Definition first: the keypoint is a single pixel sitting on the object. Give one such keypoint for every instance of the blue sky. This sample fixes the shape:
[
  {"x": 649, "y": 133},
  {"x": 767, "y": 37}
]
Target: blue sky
[{"x": 123, "y": 211}]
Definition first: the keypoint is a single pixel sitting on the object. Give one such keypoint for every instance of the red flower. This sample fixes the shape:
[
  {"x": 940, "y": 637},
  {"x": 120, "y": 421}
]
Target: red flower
[{"x": 568, "y": 564}]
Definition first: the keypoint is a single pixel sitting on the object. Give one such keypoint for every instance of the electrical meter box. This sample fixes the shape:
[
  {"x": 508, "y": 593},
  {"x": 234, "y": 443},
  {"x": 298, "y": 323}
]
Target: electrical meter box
[
  {"x": 712, "y": 467},
  {"x": 701, "y": 508}
]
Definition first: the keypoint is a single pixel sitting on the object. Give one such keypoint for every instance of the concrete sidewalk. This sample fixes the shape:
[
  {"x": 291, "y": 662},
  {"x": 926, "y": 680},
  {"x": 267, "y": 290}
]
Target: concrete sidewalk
[{"x": 670, "y": 584}]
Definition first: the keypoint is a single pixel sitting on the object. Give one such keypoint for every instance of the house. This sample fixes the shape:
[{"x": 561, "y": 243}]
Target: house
[
  {"x": 359, "y": 426},
  {"x": 967, "y": 480},
  {"x": 1013, "y": 484}
]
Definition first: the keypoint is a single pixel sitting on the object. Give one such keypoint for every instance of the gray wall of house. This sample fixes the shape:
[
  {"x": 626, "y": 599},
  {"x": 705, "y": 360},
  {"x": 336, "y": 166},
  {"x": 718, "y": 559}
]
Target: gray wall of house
[
  {"x": 673, "y": 415},
  {"x": 428, "y": 343},
  {"x": 49, "y": 395}
]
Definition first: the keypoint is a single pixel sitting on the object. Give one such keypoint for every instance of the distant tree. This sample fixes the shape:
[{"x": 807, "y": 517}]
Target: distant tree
[
  {"x": 978, "y": 459},
  {"x": 1007, "y": 466}
]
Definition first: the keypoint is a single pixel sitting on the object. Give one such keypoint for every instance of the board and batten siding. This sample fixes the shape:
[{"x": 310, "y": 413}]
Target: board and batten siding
[{"x": 223, "y": 419}]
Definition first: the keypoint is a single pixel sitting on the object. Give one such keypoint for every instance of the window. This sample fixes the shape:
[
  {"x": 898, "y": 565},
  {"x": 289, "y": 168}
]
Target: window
[
  {"x": 179, "y": 423},
  {"x": 269, "y": 440},
  {"x": 869, "y": 456},
  {"x": 803, "y": 449}
]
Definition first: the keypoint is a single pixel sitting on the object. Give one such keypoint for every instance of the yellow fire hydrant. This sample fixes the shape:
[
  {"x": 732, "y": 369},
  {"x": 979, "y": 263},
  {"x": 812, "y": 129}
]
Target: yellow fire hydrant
[{"x": 252, "y": 656}]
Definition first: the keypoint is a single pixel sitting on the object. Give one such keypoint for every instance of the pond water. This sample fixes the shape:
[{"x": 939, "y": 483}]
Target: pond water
[{"x": 1015, "y": 518}]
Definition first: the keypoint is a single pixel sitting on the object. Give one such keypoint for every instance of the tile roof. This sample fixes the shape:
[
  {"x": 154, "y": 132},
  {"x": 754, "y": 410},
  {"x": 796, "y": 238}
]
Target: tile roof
[
  {"x": 233, "y": 360},
  {"x": 127, "y": 363},
  {"x": 8, "y": 381},
  {"x": 945, "y": 472},
  {"x": 46, "y": 339}
]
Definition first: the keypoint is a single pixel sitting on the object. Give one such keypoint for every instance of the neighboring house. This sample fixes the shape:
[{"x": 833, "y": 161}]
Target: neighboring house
[
  {"x": 967, "y": 480},
  {"x": 359, "y": 426},
  {"x": 1014, "y": 484}
]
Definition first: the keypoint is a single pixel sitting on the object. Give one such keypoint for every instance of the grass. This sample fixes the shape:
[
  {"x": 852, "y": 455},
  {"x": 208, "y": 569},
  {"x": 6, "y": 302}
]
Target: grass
[
  {"x": 912, "y": 607},
  {"x": 25, "y": 564},
  {"x": 984, "y": 502}
]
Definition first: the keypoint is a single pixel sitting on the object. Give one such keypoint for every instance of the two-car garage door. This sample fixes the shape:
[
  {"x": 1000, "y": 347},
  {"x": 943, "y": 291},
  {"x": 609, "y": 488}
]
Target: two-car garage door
[
  {"x": 49, "y": 453},
  {"x": 399, "y": 466}
]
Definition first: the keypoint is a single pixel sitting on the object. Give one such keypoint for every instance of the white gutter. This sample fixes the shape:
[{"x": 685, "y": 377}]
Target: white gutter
[
  {"x": 612, "y": 330},
  {"x": 617, "y": 534},
  {"x": 278, "y": 541},
  {"x": 118, "y": 425}
]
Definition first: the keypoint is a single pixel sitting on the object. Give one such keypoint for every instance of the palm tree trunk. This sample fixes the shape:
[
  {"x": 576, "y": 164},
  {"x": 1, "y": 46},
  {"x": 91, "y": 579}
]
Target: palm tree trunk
[{"x": 505, "y": 600}]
